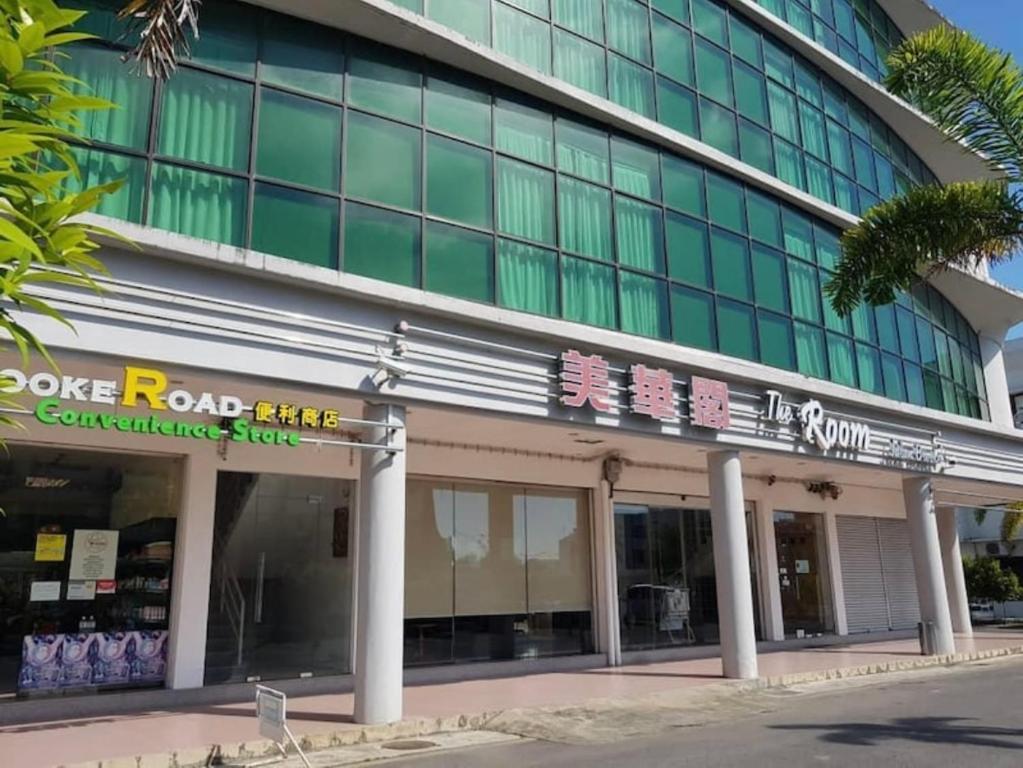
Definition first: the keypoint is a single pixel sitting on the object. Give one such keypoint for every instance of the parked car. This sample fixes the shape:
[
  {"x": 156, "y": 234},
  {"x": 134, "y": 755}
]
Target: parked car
[{"x": 981, "y": 612}]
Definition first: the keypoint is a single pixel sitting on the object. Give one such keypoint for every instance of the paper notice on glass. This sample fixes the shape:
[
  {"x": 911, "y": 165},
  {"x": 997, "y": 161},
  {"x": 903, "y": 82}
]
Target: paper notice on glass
[
  {"x": 44, "y": 591},
  {"x": 81, "y": 590},
  {"x": 802, "y": 566},
  {"x": 93, "y": 555},
  {"x": 50, "y": 547}
]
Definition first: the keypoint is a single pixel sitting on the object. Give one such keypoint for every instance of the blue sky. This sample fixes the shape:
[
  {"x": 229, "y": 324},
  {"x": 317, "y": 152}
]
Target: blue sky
[{"x": 998, "y": 23}]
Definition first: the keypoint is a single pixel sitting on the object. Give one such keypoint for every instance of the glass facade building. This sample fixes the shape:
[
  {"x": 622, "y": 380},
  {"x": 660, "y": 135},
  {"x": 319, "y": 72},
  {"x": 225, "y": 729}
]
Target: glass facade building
[{"x": 418, "y": 175}]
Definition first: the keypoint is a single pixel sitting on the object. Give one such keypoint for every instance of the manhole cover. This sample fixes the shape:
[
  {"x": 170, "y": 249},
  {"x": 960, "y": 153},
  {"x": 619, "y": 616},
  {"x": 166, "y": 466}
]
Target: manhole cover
[{"x": 409, "y": 745}]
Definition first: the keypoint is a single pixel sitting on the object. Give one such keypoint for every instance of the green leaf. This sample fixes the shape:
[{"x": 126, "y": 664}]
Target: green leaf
[
  {"x": 11, "y": 59},
  {"x": 10, "y": 231}
]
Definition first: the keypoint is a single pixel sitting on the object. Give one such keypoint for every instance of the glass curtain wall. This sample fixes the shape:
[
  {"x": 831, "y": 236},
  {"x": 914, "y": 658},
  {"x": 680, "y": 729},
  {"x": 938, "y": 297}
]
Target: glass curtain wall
[
  {"x": 422, "y": 176},
  {"x": 495, "y": 572}
]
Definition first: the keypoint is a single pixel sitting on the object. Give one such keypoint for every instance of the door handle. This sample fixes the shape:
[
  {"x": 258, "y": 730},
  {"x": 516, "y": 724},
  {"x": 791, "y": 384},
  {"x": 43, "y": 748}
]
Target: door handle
[{"x": 260, "y": 573}]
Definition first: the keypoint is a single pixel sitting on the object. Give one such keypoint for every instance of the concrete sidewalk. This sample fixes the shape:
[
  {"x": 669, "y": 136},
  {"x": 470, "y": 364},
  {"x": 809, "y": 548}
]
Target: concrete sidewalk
[{"x": 185, "y": 737}]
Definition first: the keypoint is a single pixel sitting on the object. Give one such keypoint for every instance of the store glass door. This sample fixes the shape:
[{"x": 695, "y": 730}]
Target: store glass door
[
  {"x": 803, "y": 573},
  {"x": 280, "y": 599}
]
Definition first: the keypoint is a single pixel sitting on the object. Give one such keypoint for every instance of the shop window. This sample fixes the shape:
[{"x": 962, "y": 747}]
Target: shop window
[
  {"x": 495, "y": 572},
  {"x": 588, "y": 293},
  {"x": 459, "y": 262},
  {"x": 384, "y": 161},
  {"x": 693, "y": 318},
  {"x": 584, "y": 219},
  {"x": 302, "y": 56},
  {"x": 296, "y": 225},
  {"x": 382, "y": 244},
  {"x": 525, "y": 201},
  {"x": 630, "y": 85},
  {"x": 688, "y": 250},
  {"x": 379, "y": 81},
  {"x": 578, "y": 16},
  {"x": 204, "y": 205},
  {"x": 459, "y": 109},
  {"x": 628, "y": 29},
  {"x": 522, "y": 37},
  {"x": 673, "y": 50},
  {"x": 104, "y": 75},
  {"x": 644, "y": 302},
  {"x": 580, "y": 62},
  {"x": 313, "y": 162},
  {"x": 459, "y": 182},
  {"x": 87, "y": 540},
  {"x": 527, "y": 278},
  {"x": 639, "y": 234},
  {"x": 677, "y": 108},
  {"x": 683, "y": 186},
  {"x": 583, "y": 151},
  {"x": 524, "y": 132}
]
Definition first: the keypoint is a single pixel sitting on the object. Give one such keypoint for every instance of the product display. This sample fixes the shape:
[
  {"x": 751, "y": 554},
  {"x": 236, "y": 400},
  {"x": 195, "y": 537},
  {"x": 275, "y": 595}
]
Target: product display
[{"x": 97, "y": 659}]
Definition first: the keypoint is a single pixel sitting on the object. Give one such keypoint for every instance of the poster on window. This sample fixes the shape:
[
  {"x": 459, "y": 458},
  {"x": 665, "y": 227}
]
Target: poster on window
[
  {"x": 93, "y": 555},
  {"x": 50, "y": 547}
]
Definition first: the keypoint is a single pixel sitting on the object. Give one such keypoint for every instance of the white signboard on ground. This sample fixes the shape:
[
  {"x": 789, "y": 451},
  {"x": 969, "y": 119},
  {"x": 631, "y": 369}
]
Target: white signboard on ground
[{"x": 272, "y": 713}]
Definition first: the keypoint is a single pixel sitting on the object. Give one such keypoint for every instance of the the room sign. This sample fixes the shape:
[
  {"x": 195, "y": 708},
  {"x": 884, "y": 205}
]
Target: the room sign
[
  {"x": 816, "y": 427},
  {"x": 149, "y": 387}
]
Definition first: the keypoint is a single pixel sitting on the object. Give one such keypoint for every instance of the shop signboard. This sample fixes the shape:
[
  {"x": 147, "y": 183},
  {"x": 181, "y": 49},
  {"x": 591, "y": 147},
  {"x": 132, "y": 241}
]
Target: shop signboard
[{"x": 816, "y": 426}]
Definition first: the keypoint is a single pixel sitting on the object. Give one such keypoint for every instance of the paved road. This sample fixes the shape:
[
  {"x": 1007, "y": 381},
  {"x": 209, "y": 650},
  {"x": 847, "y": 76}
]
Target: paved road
[{"x": 965, "y": 717}]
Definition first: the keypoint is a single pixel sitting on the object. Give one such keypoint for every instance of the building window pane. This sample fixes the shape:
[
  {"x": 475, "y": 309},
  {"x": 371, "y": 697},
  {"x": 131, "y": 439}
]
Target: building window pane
[
  {"x": 764, "y": 219},
  {"x": 717, "y": 127},
  {"x": 458, "y": 109},
  {"x": 804, "y": 291},
  {"x": 737, "y": 332},
  {"x": 915, "y": 391},
  {"x": 907, "y": 334},
  {"x": 525, "y": 201},
  {"x": 811, "y": 124},
  {"x": 380, "y": 82},
  {"x": 640, "y": 235},
  {"x": 818, "y": 180},
  {"x": 755, "y": 147},
  {"x": 683, "y": 185},
  {"x": 459, "y": 262},
  {"x": 588, "y": 293},
  {"x": 644, "y": 303},
  {"x": 527, "y": 278},
  {"x": 459, "y": 182},
  {"x": 315, "y": 161},
  {"x": 692, "y": 318},
  {"x": 628, "y": 29},
  {"x": 887, "y": 331},
  {"x": 295, "y": 225},
  {"x": 788, "y": 162},
  {"x": 384, "y": 161},
  {"x": 673, "y": 50},
  {"x": 524, "y": 132},
  {"x": 470, "y": 17},
  {"x": 810, "y": 351},
  {"x": 841, "y": 361},
  {"x": 769, "y": 279},
  {"x": 203, "y": 205},
  {"x": 894, "y": 383},
  {"x": 776, "y": 347},
  {"x": 206, "y": 119},
  {"x": 382, "y": 244},
  {"x": 584, "y": 219},
  {"x": 635, "y": 169},
  {"x": 798, "y": 231},
  {"x": 578, "y": 16},
  {"x": 579, "y": 62},
  {"x": 750, "y": 93},
  {"x": 677, "y": 108},
  {"x": 583, "y": 151},
  {"x": 303, "y": 56},
  {"x": 676, "y": 9},
  {"x": 99, "y": 167},
  {"x": 631, "y": 85},
  {"x": 713, "y": 72},
  {"x": 868, "y": 365},
  {"x": 778, "y": 64},
  {"x": 522, "y": 37},
  {"x": 688, "y": 250},
  {"x": 711, "y": 21},
  {"x": 746, "y": 42},
  {"x": 726, "y": 203},
  {"x": 731, "y": 265},
  {"x": 105, "y": 76},
  {"x": 784, "y": 117},
  {"x": 928, "y": 349}
]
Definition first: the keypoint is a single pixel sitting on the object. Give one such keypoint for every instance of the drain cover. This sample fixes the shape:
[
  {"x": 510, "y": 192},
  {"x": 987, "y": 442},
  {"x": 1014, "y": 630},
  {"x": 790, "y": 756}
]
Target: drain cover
[{"x": 409, "y": 745}]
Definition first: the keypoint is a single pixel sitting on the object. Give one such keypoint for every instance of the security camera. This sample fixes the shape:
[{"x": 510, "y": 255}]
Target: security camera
[{"x": 388, "y": 368}]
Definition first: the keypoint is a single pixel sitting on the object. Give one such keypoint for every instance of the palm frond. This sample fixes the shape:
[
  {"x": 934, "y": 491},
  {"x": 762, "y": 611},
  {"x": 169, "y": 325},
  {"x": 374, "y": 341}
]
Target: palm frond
[
  {"x": 162, "y": 27},
  {"x": 973, "y": 93},
  {"x": 927, "y": 229}
]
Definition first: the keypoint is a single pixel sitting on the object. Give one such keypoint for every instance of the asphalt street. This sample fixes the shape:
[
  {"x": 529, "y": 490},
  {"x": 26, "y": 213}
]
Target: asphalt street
[{"x": 970, "y": 716}]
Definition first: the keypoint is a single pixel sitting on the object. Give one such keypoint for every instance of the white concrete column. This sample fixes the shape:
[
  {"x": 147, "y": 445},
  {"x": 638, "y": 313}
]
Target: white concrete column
[
  {"x": 992, "y": 356},
  {"x": 731, "y": 565},
  {"x": 605, "y": 571},
  {"x": 955, "y": 581},
  {"x": 767, "y": 555},
  {"x": 835, "y": 573},
  {"x": 193, "y": 560},
  {"x": 930, "y": 577},
  {"x": 380, "y": 610}
]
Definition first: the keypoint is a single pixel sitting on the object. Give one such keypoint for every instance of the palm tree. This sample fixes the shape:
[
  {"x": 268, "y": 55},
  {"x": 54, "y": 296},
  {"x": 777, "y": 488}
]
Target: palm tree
[
  {"x": 162, "y": 27},
  {"x": 974, "y": 94}
]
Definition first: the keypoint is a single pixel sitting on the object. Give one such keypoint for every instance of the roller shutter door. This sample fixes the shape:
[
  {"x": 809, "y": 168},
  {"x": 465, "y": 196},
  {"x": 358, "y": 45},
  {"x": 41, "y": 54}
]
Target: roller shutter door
[
  {"x": 899, "y": 578},
  {"x": 866, "y": 605}
]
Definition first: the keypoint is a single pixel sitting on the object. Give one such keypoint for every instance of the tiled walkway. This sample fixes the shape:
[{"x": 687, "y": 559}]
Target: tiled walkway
[{"x": 44, "y": 745}]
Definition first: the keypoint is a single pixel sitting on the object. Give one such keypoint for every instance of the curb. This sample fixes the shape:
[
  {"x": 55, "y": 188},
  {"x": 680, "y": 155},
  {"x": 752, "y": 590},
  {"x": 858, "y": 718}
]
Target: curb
[{"x": 220, "y": 754}]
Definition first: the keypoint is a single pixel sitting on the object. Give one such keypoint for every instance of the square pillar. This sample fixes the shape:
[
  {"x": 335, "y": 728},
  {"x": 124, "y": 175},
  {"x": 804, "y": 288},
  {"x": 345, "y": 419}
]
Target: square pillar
[
  {"x": 835, "y": 573},
  {"x": 606, "y": 574},
  {"x": 955, "y": 581},
  {"x": 731, "y": 566},
  {"x": 930, "y": 576},
  {"x": 380, "y": 609},
  {"x": 767, "y": 550},
  {"x": 193, "y": 562}
]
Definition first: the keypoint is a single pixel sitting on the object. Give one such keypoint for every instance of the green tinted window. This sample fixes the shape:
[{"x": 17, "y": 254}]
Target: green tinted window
[
  {"x": 203, "y": 205},
  {"x": 798, "y": 234},
  {"x": 229, "y": 39},
  {"x": 630, "y": 85},
  {"x": 764, "y": 219},
  {"x": 717, "y": 127},
  {"x": 98, "y": 167},
  {"x": 811, "y": 123},
  {"x": 635, "y": 169},
  {"x": 804, "y": 291},
  {"x": 459, "y": 109},
  {"x": 578, "y": 16},
  {"x": 206, "y": 119},
  {"x": 746, "y": 42},
  {"x": 382, "y": 244},
  {"x": 770, "y": 279},
  {"x": 583, "y": 151},
  {"x": 470, "y": 17},
  {"x": 907, "y": 334},
  {"x": 295, "y": 225},
  {"x": 673, "y": 50},
  {"x": 384, "y": 161},
  {"x": 535, "y": 7},
  {"x": 776, "y": 346},
  {"x": 628, "y": 29},
  {"x": 303, "y": 56},
  {"x": 676, "y": 9},
  {"x": 527, "y": 278},
  {"x": 713, "y": 72},
  {"x": 107, "y": 77},
  {"x": 810, "y": 355},
  {"x": 640, "y": 235},
  {"x": 750, "y": 93},
  {"x": 755, "y": 146},
  {"x": 523, "y": 131},
  {"x": 784, "y": 118},
  {"x": 778, "y": 64},
  {"x": 894, "y": 383},
  {"x": 683, "y": 186},
  {"x": 584, "y": 218},
  {"x": 688, "y": 250},
  {"x": 731, "y": 265},
  {"x": 525, "y": 201},
  {"x": 378, "y": 82},
  {"x": 459, "y": 182},
  {"x": 522, "y": 37},
  {"x": 580, "y": 62},
  {"x": 711, "y": 20},
  {"x": 841, "y": 360},
  {"x": 588, "y": 293},
  {"x": 677, "y": 108},
  {"x": 459, "y": 262},
  {"x": 914, "y": 383},
  {"x": 737, "y": 332},
  {"x": 313, "y": 162},
  {"x": 644, "y": 302},
  {"x": 868, "y": 368},
  {"x": 788, "y": 163},
  {"x": 828, "y": 249},
  {"x": 693, "y": 318},
  {"x": 726, "y": 202}
]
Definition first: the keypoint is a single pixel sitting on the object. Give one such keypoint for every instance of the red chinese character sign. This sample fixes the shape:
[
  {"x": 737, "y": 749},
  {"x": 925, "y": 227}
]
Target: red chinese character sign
[
  {"x": 653, "y": 392},
  {"x": 584, "y": 379},
  {"x": 709, "y": 407}
]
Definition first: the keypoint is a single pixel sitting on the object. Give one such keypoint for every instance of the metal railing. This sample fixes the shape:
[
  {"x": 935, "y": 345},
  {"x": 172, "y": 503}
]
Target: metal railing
[{"x": 232, "y": 603}]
